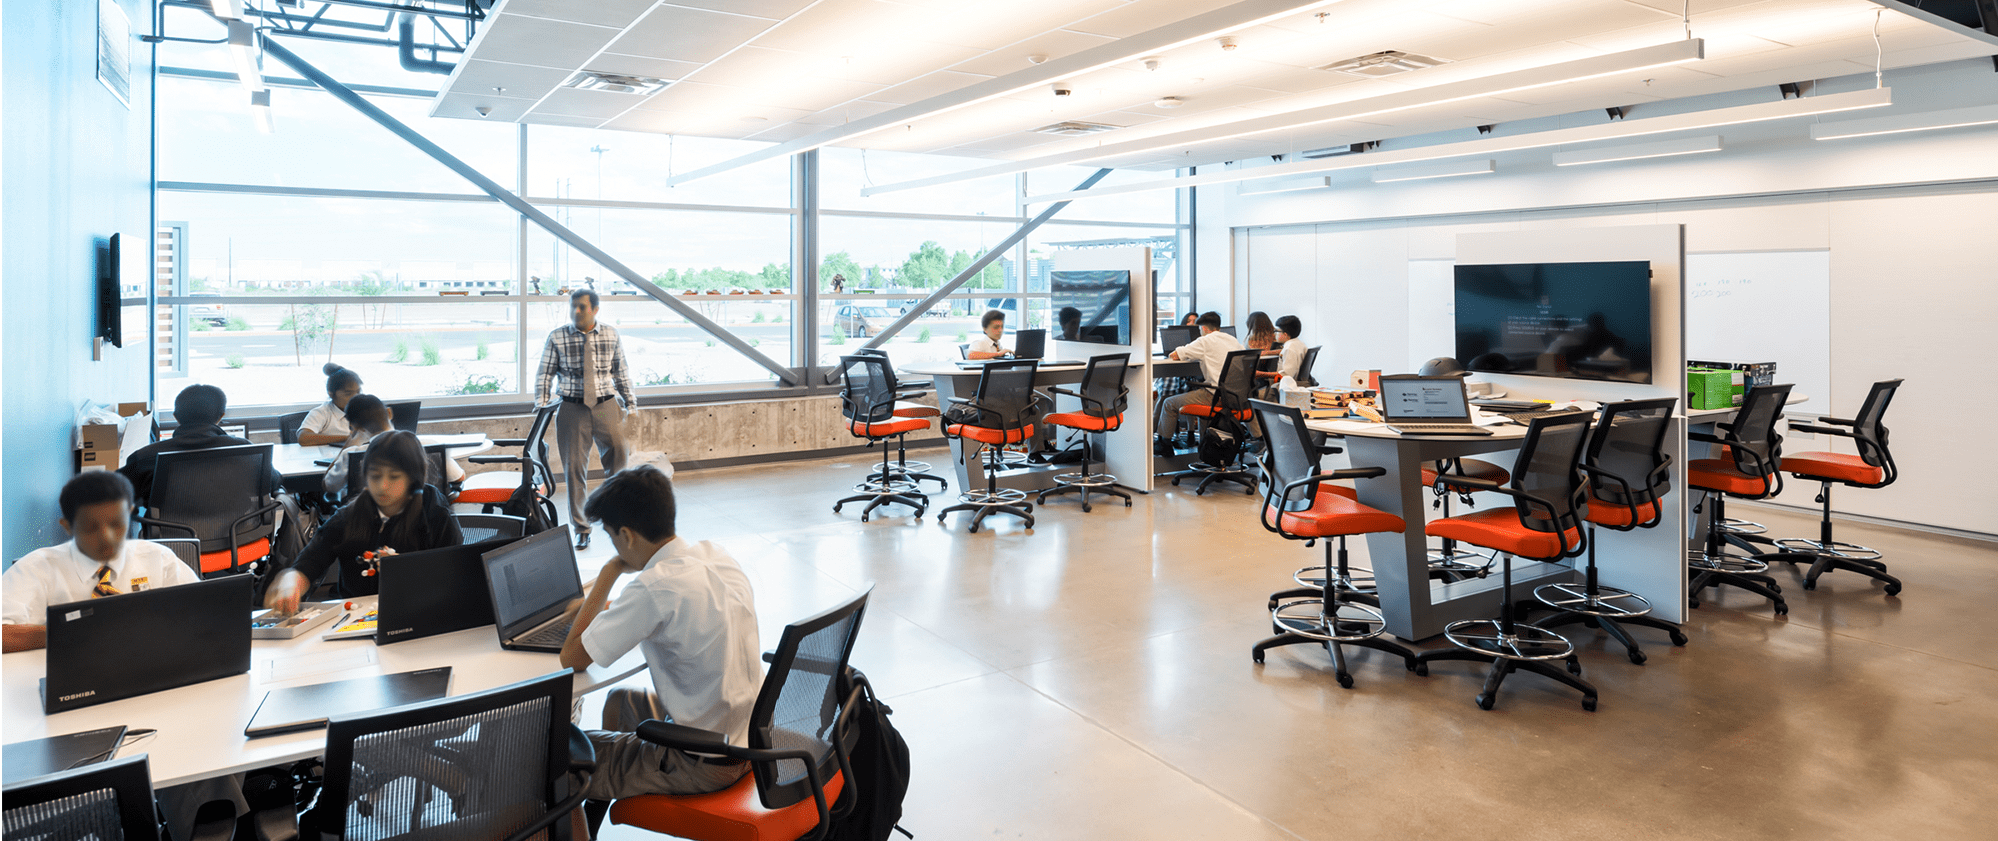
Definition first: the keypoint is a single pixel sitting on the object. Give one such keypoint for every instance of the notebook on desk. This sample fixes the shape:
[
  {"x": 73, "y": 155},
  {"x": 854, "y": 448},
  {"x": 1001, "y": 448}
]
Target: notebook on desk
[
  {"x": 40, "y": 757},
  {"x": 532, "y": 582},
  {"x": 294, "y": 708},
  {"x": 120, "y": 646},
  {"x": 1416, "y": 405}
]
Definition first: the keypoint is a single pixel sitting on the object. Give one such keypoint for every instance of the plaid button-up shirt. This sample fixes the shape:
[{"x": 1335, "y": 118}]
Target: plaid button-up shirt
[{"x": 563, "y": 354}]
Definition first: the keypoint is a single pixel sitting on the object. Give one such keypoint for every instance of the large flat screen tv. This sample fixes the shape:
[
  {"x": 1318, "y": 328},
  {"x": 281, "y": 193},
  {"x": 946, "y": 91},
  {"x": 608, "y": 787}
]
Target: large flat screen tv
[
  {"x": 1091, "y": 306},
  {"x": 1588, "y": 321}
]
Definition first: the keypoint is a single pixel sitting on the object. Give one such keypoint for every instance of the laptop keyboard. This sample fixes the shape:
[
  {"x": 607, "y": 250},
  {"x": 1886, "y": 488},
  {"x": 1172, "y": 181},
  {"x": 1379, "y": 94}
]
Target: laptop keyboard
[
  {"x": 1438, "y": 429},
  {"x": 553, "y": 634}
]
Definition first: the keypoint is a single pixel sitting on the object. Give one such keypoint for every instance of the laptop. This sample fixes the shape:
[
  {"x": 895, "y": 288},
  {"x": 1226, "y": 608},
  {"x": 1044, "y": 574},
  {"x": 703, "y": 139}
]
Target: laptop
[
  {"x": 1417, "y": 405},
  {"x": 1033, "y": 344},
  {"x": 532, "y": 582},
  {"x": 1172, "y": 337},
  {"x": 136, "y": 643},
  {"x": 41, "y": 757},
  {"x": 293, "y": 708},
  {"x": 424, "y": 594}
]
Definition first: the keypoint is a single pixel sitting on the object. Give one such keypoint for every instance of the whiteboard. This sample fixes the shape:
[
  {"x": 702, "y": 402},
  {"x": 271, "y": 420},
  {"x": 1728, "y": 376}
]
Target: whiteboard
[
  {"x": 1432, "y": 310},
  {"x": 1770, "y": 306}
]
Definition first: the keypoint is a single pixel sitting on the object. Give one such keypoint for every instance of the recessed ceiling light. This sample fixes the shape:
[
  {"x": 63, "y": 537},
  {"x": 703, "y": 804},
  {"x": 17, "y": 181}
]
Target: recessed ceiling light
[
  {"x": 1384, "y": 63},
  {"x": 1075, "y": 128},
  {"x": 1168, "y": 102},
  {"x": 591, "y": 80}
]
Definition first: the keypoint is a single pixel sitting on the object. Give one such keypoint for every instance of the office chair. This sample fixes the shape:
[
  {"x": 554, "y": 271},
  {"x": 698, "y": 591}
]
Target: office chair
[
  {"x": 1104, "y": 399},
  {"x": 1446, "y": 563},
  {"x": 288, "y": 427},
  {"x": 1873, "y": 467},
  {"x": 222, "y": 497},
  {"x": 1300, "y": 503},
  {"x": 1005, "y": 406},
  {"x": 503, "y": 763},
  {"x": 905, "y": 407},
  {"x": 1750, "y": 471},
  {"x": 1304, "y": 368},
  {"x": 1629, "y": 472},
  {"x": 523, "y": 488},
  {"x": 479, "y": 528},
  {"x": 187, "y": 549},
  {"x": 798, "y": 742},
  {"x": 1550, "y": 501},
  {"x": 404, "y": 415},
  {"x": 1230, "y": 407},
  {"x": 107, "y": 800},
  {"x": 867, "y": 400}
]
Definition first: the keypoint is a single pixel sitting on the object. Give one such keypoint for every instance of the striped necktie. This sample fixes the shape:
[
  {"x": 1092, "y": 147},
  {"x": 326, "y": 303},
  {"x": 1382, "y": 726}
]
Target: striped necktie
[{"x": 104, "y": 586}]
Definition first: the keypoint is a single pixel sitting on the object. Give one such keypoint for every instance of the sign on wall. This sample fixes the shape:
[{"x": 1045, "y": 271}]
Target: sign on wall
[{"x": 114, "y": 50}]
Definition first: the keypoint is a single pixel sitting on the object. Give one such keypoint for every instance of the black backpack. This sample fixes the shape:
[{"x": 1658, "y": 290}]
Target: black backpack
[
  {"x": 879, "y": 763},
  {"x": 1221, "y": 441},
  {"x": 528, "y": 504}
]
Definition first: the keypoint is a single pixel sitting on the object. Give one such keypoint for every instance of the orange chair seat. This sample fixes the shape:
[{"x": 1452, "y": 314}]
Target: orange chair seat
[
  {"x": 1207, "y": 410},
  {"x": 219, "y": 561},
  {"x": 732, "y": 814},
  {"x": 1085, "y": 421},
  {"x": 1712, "y": 474},
  {"x": 1617, "y": 516},
  {"x": 1335, "y": 511},
  {"x": 915, "y": 410},
  {"x": 1499, "y": 528},
  {"x": 1473, "y": 468},
  {"x": 492, "y": 487},
  {"x": 988, "y": 435},
  {"x": 883, "y": 429},
  {"x": 1837, "y": 467}
]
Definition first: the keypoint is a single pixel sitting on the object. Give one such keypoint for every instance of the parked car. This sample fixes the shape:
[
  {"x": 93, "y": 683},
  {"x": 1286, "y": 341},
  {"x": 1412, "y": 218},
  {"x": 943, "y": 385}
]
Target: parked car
[
  {"x": 211, "y": 313},
  {"x": 863, "y": 321}
]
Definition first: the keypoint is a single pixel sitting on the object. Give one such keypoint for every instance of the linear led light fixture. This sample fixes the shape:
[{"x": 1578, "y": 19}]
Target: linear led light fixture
[
  {"x": 1497, "y": 84},
  {"x": 1172, "y": 36},
  {"x": 1442, "y": 170},
  {"x": 1759, "y": 112},
  {"x": 1895, "y": 124},
  {"x": 227, "y": 9},
  {"x": 1639, "y": 151},
  {"x": 260, "y": 108},
  {"x": 1285, "y": 185},
  {"x": 243, "y": 50}
]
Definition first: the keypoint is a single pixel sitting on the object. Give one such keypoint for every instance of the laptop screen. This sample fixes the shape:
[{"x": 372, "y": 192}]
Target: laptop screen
[
  {"x": 530, "y": 576},
  {"x": 1174, "y": 336},
  {"x": 1030, "y": 344},
  {"x": 1432, "y": 399}
]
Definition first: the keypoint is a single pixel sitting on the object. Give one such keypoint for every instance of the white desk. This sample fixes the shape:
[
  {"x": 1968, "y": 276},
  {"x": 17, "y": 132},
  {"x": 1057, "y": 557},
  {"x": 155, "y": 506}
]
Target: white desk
[
  {"x": 201, "y": 726},
  {"x": 296, "y": 460}
]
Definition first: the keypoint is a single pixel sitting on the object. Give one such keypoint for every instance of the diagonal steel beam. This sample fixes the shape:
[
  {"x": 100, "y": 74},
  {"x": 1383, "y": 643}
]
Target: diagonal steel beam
[{"x": 785, "y": 374}]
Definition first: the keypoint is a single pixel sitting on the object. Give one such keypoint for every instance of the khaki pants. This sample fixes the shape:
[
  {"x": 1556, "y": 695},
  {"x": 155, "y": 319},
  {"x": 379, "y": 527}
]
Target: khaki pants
[
  {"x": 576, "y": 429},
  {"x": 628, "y": 766}
]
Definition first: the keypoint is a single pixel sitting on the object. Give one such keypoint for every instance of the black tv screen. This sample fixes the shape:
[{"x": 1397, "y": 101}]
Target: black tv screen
[
  {"x": 1587, "y": 321},
  {"x": 1091, "y": 306},
  {"x": 110, "y": 313}
]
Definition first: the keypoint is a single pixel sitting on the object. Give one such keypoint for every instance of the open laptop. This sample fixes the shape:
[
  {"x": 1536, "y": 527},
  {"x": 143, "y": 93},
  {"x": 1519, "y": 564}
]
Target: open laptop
[
  {"x": 132, "y": 644},
  {"x": 532, "y": 582},
  {"x": 1417, "y": 405},
  {"x": 424, "y": 594},
  {"x": 1172, "y": 337},
  {"x": 1033, "y": 344}
]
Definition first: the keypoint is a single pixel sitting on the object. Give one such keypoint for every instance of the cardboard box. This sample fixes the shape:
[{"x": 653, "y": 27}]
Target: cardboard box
[
  {"x": 1753, "y": 373},
  {"x": 1710, "y": 389},
  {"x": 101, "y": 446},
  {"x": 1369, "y": 380}
]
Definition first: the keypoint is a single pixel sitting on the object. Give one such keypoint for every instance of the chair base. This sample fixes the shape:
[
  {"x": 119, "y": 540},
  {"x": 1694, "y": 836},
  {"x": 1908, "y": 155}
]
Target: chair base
[
  {"x": 1345, "y": 581},
  {"x": 1607, "y": 609},
  {"x": 988, "y": 502},
  {"x": 914, "y": 471},
  {"x": 1209, "y": 474},
  {"x": 1307, "y": 622},
  {"x": 1837, "y": 556},
  {"x": 1451, "y": 567},
  {"x": 1501, "y": 667},
  {"x": 1745, "y": 573},
  {"x": 1085, "y": 483},
  {"x": 1731, "y": 525},
  {"x": 878, "y": 493}
]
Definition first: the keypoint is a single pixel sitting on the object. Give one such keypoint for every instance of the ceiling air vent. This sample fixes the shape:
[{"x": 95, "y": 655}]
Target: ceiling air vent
[
  {"x": 1379, "y": 64},
  {"x": 590, "y": 80},
  {"x": 1075, "y": 128}
]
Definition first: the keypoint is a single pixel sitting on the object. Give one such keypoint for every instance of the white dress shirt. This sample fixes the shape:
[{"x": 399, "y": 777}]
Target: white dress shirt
[
  {"x": 63, "y": 574},
  {"x": 692, "y": 615},
  {"x": 327, "y": 419},
  {"x": 1211, "y": 351},
  {"x": 1291, "y": 359},
  {"x": 982, "y": 343}
]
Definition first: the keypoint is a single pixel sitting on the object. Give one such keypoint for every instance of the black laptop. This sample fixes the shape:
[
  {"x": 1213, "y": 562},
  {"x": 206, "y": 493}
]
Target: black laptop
[
  {"x": 1172, "y": 337},
  {"x": 424, "y": 594},
  {"x": 132, "y": 644},
  {"x": 532, "y": 582},
  {"x": 41, "y": 757},
  {"x": 1033, "y": 344}
]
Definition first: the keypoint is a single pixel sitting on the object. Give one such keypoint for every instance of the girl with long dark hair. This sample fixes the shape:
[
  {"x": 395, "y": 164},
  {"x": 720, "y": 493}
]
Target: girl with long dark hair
[{"x": 398, "y": 513}]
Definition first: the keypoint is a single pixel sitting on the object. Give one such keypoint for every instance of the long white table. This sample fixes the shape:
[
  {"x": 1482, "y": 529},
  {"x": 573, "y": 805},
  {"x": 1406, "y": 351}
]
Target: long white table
[
  {"x": 295, "y": 460},
  {"x": 201, "y": 726}
]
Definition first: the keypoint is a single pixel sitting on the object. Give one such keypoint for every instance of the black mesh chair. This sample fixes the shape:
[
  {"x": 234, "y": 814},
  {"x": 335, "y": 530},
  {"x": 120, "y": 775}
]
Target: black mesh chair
[
  {"x": 1005, "y": 406},
  {"x": 1228, "y": 417},
  {"x": 530, "y": 480},
  {"x": 1872, "y": 467},
  {"x": 1629, "y": 473},
  {"x": 404, "y": 415},
  {"x": 1304, "y": 368},
  {"x": 503, "y": 763},
  {"x": 187, "y": 549},
  {"x": 1104, "y": 399},
  {"x": 797, "y": 753},
  {"x": 223, "y": 497},
  {"x": 107, "y": 801},
  {"x": 1750, "y": 469},
  {"x": 288, "y": 427},
  {"x": 906, "y": 407},
  {"x": 867, "y": 400},
  {"x": 479, "y": 528},
  {"x": 1545, "y": 524}
]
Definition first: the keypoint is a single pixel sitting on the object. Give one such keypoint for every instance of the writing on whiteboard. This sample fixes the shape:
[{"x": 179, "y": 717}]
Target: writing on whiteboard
[{"x": 1719, "y": 287}]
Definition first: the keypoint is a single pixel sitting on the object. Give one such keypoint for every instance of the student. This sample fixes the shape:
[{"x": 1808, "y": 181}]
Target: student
[
  {"x": 1290, "y": 353},
  {"x": 690, "y": 610},
  {"x": 1262, "y": 334},
  {"x": 327, "y": 422},
  {"x": 369, "y": 417},
  {"x": 986, "y": 345},
  {"x": 398, "y": 513},
  {"x": 198, "y": 411},
  {"x": 97, "y": 561},
  {"x": 1190, "y": 319},
  {"x": 1211, "y": 350}
]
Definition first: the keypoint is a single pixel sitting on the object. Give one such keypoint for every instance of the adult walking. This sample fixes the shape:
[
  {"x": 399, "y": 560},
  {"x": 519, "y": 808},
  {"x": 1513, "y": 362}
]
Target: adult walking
[{"x": 595, "y": 395}]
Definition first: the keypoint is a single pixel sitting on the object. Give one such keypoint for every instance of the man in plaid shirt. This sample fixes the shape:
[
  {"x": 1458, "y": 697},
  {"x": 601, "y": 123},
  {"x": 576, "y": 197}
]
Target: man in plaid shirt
[{"x": 595, "y": 396}]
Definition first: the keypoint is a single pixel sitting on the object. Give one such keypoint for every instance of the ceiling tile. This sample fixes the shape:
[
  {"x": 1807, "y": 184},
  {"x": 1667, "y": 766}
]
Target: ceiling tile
[
  {"x": 683, "y": 34},
  {"x": 465, "y": 106},
  {"x": 773, "y": 9},
  {"x": 540, "y": 119},
  {"x": 1142, "y": 16},
  {"x": 1013, "y": 57},
  {"x": 846, "y": 112},
  {"x": 692, "y": 97},
  {"x": 934, "y": 84},
  {"x": 570, "y": 102},
  {"x": 618, "y": 13},
  {"x": 542, "y": 43},
  {"x": 519, "y": 80},
  {"x": 631, "y": 65}
]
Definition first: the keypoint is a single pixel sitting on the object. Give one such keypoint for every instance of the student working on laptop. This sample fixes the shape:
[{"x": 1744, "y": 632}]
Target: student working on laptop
[
  {"x": 98, "y": 561},
  {"x": 986, "y": 345},
  {"x": 398, "y": 513},
  {"x": 1210, "y": 350},
  {"x": 690, "y": 611},
  {"x": 369, "y": 417}
]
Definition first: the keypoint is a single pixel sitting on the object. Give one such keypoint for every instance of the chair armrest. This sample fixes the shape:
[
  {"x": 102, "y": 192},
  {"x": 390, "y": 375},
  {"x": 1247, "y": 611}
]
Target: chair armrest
[
  {"x": 1459, "y": 480},
  {"x": 1354, "y": 473},
  {"x": 1839, "y": 421},
  {"x": 960, "y": 399},
  {"x": 690, "y": 739},
  {"x": 582, "y": 765},
  {"x": 1065, "y": 392},
  {"x": 168, "y": 524},
  {"x": 582, "y": 754},
  {"x": 509, "y": 442},
  {"x": 1821, "y": 430},
  {"x": 1708, "y": 438},
  {"x": 497, "y": 459}
]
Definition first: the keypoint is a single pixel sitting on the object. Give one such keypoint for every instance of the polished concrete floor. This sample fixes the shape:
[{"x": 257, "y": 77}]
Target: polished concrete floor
[{"x": 1091, "y": 679}]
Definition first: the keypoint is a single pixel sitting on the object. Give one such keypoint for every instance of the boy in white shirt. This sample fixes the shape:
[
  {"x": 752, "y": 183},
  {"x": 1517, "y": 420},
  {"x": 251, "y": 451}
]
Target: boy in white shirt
[
  {"x": 986, "y": 345},
  {"x": 1211, "y": 351},
  {"x": 98, "y": 560},
  {"x": 369, "y": 417}
]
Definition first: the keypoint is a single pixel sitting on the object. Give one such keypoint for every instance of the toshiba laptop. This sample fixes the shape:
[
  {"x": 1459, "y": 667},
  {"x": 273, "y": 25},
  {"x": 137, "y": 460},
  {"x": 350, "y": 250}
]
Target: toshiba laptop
[
  {"x": 424, "y": 594},
  {"x": 132, "y": 644},
  {"x": 1172, "y": 337},
  {"x": 1033, "y": 344},
  {"x": 1416, "y": 405},
  {"x": 532, "y": 582}
]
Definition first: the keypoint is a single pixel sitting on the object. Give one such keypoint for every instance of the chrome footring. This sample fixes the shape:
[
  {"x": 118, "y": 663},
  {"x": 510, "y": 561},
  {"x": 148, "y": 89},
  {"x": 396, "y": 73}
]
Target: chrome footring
[
  {"x": 1734, "y": 526},
  {"x": 1607, "y": 602},
  {"x": 1526, "y": 642},
  {"x": 1342, "y": 622},
  {"x": 908, "y": 467},
  {"x": 1835, "y": 549},
  {"x": 890, "y": 486},
  {"x": 1315, "y": 577},
  {"x": 1204, "y": 467},
  {"x": 1093, "y": 480},
  {"x": 1468, "y": 562},
  {"x": 1003, "y": 496},
  {"x": 1725, "y": 563}
]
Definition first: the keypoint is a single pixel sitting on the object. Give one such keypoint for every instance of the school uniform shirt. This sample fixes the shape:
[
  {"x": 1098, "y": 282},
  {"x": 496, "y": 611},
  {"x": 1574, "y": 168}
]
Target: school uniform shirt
[
  {"x": 1211, "y": 351},
  {"x": 692, "y": 615},
  {"x": 982, "y": 343},
  {"x": 139, "y": 468},
  {"x": 336, "y": 474},
  {"x": 63, "y": 574},
  {"x": 327, "y": 419},
  {"x": 330, "y": 545},
  {"x": 1291, "y": 359}
]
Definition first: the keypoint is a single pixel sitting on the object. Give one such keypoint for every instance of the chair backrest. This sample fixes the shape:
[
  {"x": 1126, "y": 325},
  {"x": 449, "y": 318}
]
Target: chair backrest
[
  {"x": 357, "y": 479},
  {"x": 207, "y": 490},
  {"x": 536, "y": 450},
  {"x": 1103, "y": 386},
  {"x": 1288, "y": 456},
  {"x": 435, "y": 457},
  {"x": 1549, "y": 477},
  {"x": 867, "y": 388},
  {"x": 964, "y": 350},
  {"x": 1626, "y": 455},
  {"x": 479, "y": 528},
  {"x": 1756, "y": 445},
  {"x": 800, "y": 704},
  {"x": 108, "y": 801},
  {"x": 288, "y": 427},
  {"x": 1870, "y": 433},
  {"x": 1006, "y": 393},
  {"x": 496, "y": 756},
  {"x": 1304, "y": 368},
  {"x": 1238, "y": 380},
  {"x": 187, "y": 549},
  {"x": 404, "y": 415}
]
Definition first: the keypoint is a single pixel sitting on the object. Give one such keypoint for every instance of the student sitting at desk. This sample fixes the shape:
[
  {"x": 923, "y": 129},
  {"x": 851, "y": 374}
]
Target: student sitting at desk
[
  {"x": 398, "y": 513},
  {"x": 691, "y": 612},
  {"x": 369, "y": 417},
  {"x": 1210, "y": 350},
  {"x": 197, "y": 411},
  {"x": 327, "y": 423},
  {"x": 1262, "y": 333},
  {"x": 97, "y": 561},
  {"x": 986, "y": 345},
  {"x": 1290, "y": 352}
]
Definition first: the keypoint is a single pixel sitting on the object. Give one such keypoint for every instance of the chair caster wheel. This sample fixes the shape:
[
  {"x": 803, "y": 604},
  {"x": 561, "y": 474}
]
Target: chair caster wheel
[
  {"x": 835, "y": 509},
  {"x": 1778, "y": 588},
  {"x": 1485, "y": 702},
  {"x": 1421, "y": 669},
  {"x": 1810, "y": 584},
  {"x": 1589, "y": 704},
  {"x": 863, "y": 518},
  {"x": 1782, "y": 609},
  {"x": 1893, "y": 589},
  {"x": 1027, "y": 506},
  {"x": 1175, "y": 483},
  {"x": 1258, "y": 655},
  {"x": 1345, "y": 681},
  {"x": 1678, "y": 638},
  {"x": 1085, "y": 509},
  {"x": 1637, "y": 657},
  {"x": 1127, "y": 504},
  {"x": 1574, "y": 666}
]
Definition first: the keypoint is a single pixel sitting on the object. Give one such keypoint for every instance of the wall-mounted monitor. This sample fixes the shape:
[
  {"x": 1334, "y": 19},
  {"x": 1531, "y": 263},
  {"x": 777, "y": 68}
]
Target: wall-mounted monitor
[
  {"x": 110, "y": 315},
  {"x": 1091, "y": 306},
  {"x": 1587, "y": 321}
]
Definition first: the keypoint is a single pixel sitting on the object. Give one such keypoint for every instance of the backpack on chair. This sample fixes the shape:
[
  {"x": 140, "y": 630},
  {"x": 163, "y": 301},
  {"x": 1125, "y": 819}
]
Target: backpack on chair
[
  {"x": 879, "y": 761},
  {"x": 1221, "y": 442}
]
